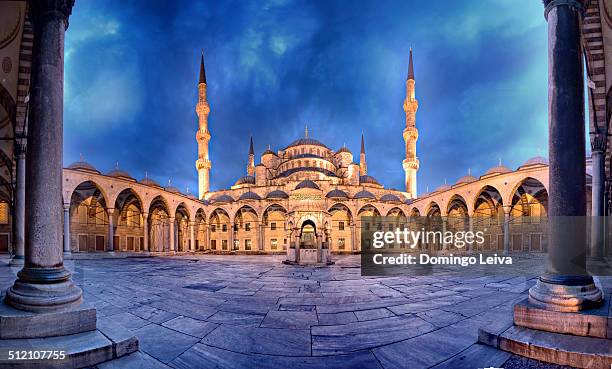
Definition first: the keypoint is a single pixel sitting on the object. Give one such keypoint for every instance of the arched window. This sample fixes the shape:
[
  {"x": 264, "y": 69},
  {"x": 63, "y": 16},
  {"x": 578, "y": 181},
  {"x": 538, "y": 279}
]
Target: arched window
[{"x": 4, "y": 212}]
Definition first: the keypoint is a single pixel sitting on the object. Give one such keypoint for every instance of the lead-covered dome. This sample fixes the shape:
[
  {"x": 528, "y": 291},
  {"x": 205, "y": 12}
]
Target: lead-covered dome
[
  {"x": 306, "y": 141},
  {"x": 344, "y": 149},
  {"x": 307, "y": 184},
  {"x": 499, "y": 169},
  {"x": 84, "y": 166},
  {"x": 467, "y": 179},
  {"x": 118, "y": 173},
  {"x": 149, "y": 182},
  {"x": 277, "y": 194},
  {"x": 363, "y": 194},
  {"x": 389, "y": 197},
  {"x": 249, "y": 196},
  {"x": 245, "y": 180},
  {"x": 368, "y": 180},
  {"x": 172, "y": 189},
  {"x": 444, "y": 187},
  {"x": 337, "y": 194},
  {"x": 222, "y": 198},
  {"x": 536, "y": 160}
]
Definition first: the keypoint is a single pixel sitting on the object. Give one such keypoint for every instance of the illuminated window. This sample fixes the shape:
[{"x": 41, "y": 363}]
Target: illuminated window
[
  {"x": 341, "y": 243},
  {"x": 213, "y": 228},
  {"x": 273, "y": 243},
  {"x": 4, "y": 212},
  {"x": 224, "y": 244},
  {"x": 247, "y": 227},
  {"x": 224, "y": 228},
  {"x": 213, "y": 244},
  {"x": 341, "y": 226},
  {"x": 273, "y": 226},
  {"x": 247, "y": 244}
]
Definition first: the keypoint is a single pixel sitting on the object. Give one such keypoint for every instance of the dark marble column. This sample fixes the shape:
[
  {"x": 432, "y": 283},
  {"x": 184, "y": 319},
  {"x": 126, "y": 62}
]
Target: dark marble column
[
  {"x": 44, "y": 284},
  {"x": 598, "y": 150},
  {"x": 19, "y": 237},
  {"x": 566, "y": 285}
]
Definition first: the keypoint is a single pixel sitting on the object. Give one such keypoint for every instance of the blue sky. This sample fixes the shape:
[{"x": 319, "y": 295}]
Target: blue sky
[{"x": 274, "y": 66}]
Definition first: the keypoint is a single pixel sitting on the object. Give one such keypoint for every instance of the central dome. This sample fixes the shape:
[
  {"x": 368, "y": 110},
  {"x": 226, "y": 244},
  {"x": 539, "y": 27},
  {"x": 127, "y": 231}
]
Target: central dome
[{"x": 306, "y": 141}]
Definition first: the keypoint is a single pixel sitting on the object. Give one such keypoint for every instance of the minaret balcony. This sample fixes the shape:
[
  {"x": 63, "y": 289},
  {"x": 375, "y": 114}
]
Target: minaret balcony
[
  {"x": 411, "y": 164},
  {"x": 203, "y": 136},
  {"x": 203, "y": 164},
  {"x": 411, "y": 133}
]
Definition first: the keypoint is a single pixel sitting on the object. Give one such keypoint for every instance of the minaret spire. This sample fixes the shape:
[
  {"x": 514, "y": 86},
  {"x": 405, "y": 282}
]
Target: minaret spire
[
  {"x": 363, "y": 166},
  {"x": 251, "y": 163},
  {"x": 411, "y": 133},
  {"x": 203, "y": 163}
]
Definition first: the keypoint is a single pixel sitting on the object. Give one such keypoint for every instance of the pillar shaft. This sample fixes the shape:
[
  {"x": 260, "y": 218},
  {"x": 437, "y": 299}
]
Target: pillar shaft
[
  {"x": 192, "y": 236},
  {"x": 19, "y": 237},
  {"x": 145, "y": 233},
  {"x": 506, "y": 231},
  {"x": 44, "y": 284},
  {"x": 597, "y": 204},
  {"x": 66, "y": 229},
  {"x": 172, "y": 236},
  {"x": 566, "y": 285},
  {"x": 111, "y": 230}
]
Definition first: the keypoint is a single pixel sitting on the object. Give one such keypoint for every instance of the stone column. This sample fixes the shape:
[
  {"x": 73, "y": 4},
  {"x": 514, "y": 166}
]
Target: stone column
[
  {"x": 566, "y": 285},
  {"x": 44, "y": 284},
  {"x": 67, "y": 251},
  {"x": 443, "y": 219},
  {"x": 353, "y": 237},
  {"x": 260, "y": 237},
  {"x": 231, "y": 236},
  {"x": 145, "y": 231},
  {"x": 471, "y": 229},
  {"x": 19, "y": 237},
  {"x": 192, "y": 235},
  {"x": 111, "y": 229},
  {"x": 171, "y": 247},
  {"x": 507, "y": 230},
  {"x": 598, "y": 149}
]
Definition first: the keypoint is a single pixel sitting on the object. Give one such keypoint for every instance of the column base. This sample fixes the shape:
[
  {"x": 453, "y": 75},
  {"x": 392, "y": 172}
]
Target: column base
[
  {"x": 43, "y": 290},
  {"x": 576, "y": 294},
  {"x": 17, "y": 261}
]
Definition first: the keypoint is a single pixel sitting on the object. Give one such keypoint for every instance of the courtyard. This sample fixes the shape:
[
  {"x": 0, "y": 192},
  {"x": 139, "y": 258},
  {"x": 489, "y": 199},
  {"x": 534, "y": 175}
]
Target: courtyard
[{"x": 214, "y": 311}]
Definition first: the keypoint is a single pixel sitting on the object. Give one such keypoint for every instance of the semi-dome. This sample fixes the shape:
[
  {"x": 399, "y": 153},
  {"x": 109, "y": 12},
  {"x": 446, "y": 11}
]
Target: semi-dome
[
  {"x": 368, "y": 179},
  {"x": 222, "y": 198},
  {"x": 277, "y": 194},
  {"x": 337, "y": 194},
  {"x": 363, "y": 194},
  {"x": 389, "y": 197},
  {"x": 249, "y": 196},
  {"x": 307, "y": 184},
  {"x": 344, "y": 149},
  {"x": 499, "y": 169},
  {"x": 118, "y": 173},
  {"x": 149, "y": 182},
  {"x": 245, "y": 180},
  {"x": 536, "y": 160},
  {"x": 306, "y": 141},
  {"x": 83, "y": 165},
  {"x": 444, "y": 187},
  {"x": 467, "y": 179}
]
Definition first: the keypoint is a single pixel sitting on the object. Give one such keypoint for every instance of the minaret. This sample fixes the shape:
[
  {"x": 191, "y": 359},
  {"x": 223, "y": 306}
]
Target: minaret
[
  {"x": 411, "y": 133},
  {"x": 251, "y": 164},
  {"x": 203, "y": 163},
  {"x": 363, "y": 166}
]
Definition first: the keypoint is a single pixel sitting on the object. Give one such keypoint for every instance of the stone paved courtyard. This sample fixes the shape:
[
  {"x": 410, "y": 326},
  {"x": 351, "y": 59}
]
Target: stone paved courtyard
[{"x": 254, "y": 312}]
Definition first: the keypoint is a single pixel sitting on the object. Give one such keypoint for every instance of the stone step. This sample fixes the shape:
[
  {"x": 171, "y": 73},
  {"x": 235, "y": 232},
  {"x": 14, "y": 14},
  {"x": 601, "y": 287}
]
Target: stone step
[
  {"x": 109, "y": 341},
  {"x": 556, "y": 348},
  {"x": 589, "y": 323}
]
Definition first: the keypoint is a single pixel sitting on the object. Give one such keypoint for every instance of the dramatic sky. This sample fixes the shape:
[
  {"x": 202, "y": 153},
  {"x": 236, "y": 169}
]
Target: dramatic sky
[{"x": 274, "y": 66}]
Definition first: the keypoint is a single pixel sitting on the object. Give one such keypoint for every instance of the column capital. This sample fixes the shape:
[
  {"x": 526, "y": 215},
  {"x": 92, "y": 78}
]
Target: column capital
[
  {"x": 598, "y": 142},
  {"x": 550, "y": 4},
  {"x": 66, "y": 206},
  {"x": 43, "y": 9},
  {"x": 20, "y": 148},
  {"x": 110, "y": 211}
]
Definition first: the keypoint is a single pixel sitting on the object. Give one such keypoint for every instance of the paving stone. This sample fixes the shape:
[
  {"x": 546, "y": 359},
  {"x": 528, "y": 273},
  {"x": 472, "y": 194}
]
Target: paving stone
[
  {"x": 290, "y": 319},
  {"x": 137, "y": 360},
  {"x": 153, "y": 315},
  {"x": 440, "y": 318},
  {"x": 162, "y": 343},
  {"x": 226, "y": 317},
  {"x": 192, "y": 327},
  {"x": 250, "y": 339},
  {"x": 335, "y": 339},
  {"x": 129, "y": 321},
  {"x": 337, "y": 318},
  {"x": 372, "y": 314}
]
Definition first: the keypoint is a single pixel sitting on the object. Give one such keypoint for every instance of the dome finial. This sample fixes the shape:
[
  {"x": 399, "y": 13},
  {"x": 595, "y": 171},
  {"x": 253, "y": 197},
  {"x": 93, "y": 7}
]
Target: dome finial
[
  {"x": 146, "y": 174},
  {"x": 81, "y": 157},
  {"x": 187, "y": 191},
  {"x": 469, "y": 171},
  {"x": 117, "y": 166},
  {"x": 169, "y": 183},
  {"x": 444, "y": 180},
  {"x": 306, "y": 131},
  {"x": 500, "y": 162}
]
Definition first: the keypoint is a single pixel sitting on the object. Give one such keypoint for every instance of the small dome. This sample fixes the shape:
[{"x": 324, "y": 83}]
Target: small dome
[
  {"x": 466, "y": 179},
  {"x": 83, "y": 165},
  {"x": 118, "y": 173},
  {"x": 364, "y": 195},
  {"x": 205, "y": 202},
  {"x": 344, "y": 149},
  {"x": 191, "y": 196},
  {"x": 245, "y": 180},
  {"x": 149, "y": 182},
  {"x": 337, "y": 194},
  {"x": 307, "y": 184},
  {"x": 409, "y": 201},
  {"x": 498, "y": 170},
  {"x": 368, "y": 179},
  {"x": 277, "y": 194},
  {"x": 269, "y": 152},
  {"x": 172, "y": 189},
  {"x": 536, "y": 160},
  {"x": 222, "y": 198},
  {"x": 390, "y": 198},
  {"x": 306, "y": 141},
  {"x": 443, "y": 188},
  {"x": 249, "y": 196}
]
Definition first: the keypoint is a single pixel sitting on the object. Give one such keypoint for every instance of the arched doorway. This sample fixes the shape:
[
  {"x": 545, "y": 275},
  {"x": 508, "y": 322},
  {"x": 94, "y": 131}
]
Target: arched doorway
[{"x": 308, "y": 235}]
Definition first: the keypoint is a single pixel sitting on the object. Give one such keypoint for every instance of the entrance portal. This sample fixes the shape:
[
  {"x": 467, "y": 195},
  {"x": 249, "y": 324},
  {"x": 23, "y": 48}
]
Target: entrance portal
[{"x": 308, "y": 239}]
